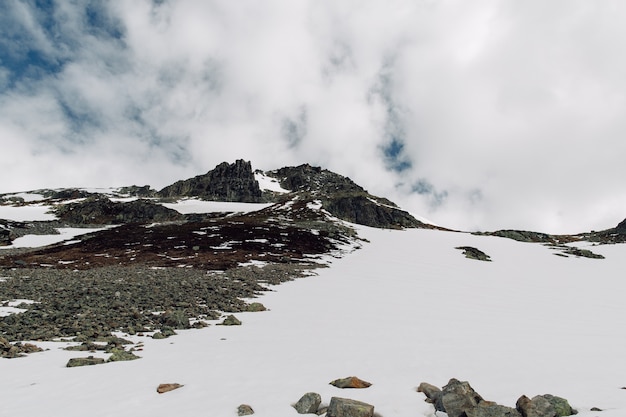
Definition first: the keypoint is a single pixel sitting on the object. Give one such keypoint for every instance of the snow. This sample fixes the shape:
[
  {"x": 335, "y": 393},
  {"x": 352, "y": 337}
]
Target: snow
[
  {"x": 27, "y": 197},
  {"x": 31, "y": 212},
  {"x": 191, "y": 205},
  {"x": 269, "y": 184},
  {"x": 406, "y": 308},
  {"x": 34, "y": 241}
]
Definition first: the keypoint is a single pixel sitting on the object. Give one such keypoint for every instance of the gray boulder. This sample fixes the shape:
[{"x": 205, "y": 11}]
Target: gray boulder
[
  {"x": 344, "y": 407},
  {"x": 544, "y": 406},
  {"x": 90, "y": 360},
  {"x": 309, "y": 403},
  {"x": 231, "y": 321},
  {"x": 458, "y": 397},
  {"x": 244, "y": 410},
  {"x": 433, "y": 395}
]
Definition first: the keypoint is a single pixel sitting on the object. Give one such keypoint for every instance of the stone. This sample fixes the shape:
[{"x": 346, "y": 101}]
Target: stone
[
  {"x": 473, "y": 253},
  {"x": 350, "y": 382},
  {"x": 176, "y": 319},
  {"x": 163, "y": 388},
  {"x": 88, "y": 361},
  {"x": 344, "y": 407},
  {"x": 231, "y": 321},
  {"x": 118, "y": 355},
  {"x": 309, "y": 403},
  {"x": 254, "y": 307},
  {"x": 491, "y": 409},
  {"x": 458, "y": 397},
  {"x": 433, "y": 395},
  {"x": 244, "y": 410},
  {"x": 537, "y": 407}
]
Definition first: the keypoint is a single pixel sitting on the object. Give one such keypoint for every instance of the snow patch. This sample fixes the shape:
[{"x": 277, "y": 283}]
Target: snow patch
[{"x": 269, "y": 184}]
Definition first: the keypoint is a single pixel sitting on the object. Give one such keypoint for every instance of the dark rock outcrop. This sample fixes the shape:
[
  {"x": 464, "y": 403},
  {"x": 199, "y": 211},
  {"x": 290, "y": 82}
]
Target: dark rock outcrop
[
  {"x": 544, "y": 406},
  {"x": 101, "y": 210},
  {"x": 458, "y": 397},
  {"x": 473, "y": 253},
  {"x": 343, "y": 198},
  {"x": 5, "y": 236},
  {"x": 621, "y": 228},
  {"x": 226, "y": 182}
]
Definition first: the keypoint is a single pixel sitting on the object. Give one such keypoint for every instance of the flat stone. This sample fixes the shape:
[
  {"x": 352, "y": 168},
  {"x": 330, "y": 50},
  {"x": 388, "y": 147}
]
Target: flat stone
[{"x": 163, "y": 388}]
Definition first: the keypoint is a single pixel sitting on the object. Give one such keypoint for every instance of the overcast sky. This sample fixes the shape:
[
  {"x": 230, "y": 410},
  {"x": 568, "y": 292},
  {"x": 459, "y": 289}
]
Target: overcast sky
[{"x": 478, "y": 115}]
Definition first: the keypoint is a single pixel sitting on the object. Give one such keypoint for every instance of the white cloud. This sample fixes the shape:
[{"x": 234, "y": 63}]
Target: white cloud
[{"x": 505, "y": 114}]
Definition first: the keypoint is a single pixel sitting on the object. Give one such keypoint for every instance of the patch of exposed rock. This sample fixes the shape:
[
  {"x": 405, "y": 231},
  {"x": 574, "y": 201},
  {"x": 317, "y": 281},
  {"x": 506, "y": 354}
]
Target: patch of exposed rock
[
  {"x": 474, "y": 253},
  {"x": 226, "y": 182},
  {"x": 98, "y": 210}
]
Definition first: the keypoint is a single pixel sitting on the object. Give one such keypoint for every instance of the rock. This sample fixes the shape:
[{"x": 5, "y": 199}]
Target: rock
[
  {"x": 473, "y": 253},
  {"x": 544, "y": 406},
  {"x": 5, "y": 237},
  {"x": 226, "y": 182},
  {"x": 88, "y": 361},
  {"x": 244, "y": 410},
  {"x": 621, "y": 227},
  {"x": 491, "y": 409},
  {"x": 158, "y": 335},
  {"x": 343, "y": 407},
  {"x": 163, "y": 388},
  {"x": 309, "y": 403},
  {"x": 350, "y": 382},
  {"x": 118, "y": 355},
  {"x": 176, "y": 319},
  {"x": 254, "y": 307},
  {"x": 231, "y": 321},
  {"x": 459, "y": 397},
  {"x": 433, "y": 395}
]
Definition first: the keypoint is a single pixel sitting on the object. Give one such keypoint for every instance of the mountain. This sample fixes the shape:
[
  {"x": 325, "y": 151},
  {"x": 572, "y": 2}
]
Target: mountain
[{"x": 102, "y": 275}]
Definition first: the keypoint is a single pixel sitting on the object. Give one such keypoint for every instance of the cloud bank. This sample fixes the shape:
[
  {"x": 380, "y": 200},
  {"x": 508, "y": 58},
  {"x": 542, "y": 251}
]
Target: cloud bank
[{"x": 476, "y": 115}]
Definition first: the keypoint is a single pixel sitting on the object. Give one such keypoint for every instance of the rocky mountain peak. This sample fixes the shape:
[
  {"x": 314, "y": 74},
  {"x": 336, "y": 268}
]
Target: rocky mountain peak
[{"x": 226, "y": 182}]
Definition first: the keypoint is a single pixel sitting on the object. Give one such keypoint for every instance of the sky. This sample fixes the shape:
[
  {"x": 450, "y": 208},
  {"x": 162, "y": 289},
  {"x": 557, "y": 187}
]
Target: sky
[{"x": 478, "y": 115}]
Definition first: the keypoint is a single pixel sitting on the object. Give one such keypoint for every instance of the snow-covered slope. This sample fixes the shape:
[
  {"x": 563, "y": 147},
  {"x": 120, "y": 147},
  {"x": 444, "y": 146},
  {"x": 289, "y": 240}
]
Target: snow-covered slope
[{"x": 404, "y": 309}]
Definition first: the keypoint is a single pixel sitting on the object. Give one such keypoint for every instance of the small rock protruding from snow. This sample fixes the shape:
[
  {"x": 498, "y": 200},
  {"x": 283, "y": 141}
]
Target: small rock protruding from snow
[
  {"x": 350, "y": 382},
  {"x": 309, "y": 403},
  {"x": 244, "y": 410},
  {"x": 231, "y": 321},
  {"x": 167, "y": 387}
]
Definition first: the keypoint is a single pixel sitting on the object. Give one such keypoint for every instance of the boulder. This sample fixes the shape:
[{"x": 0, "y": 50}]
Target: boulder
[
  {"x": 544, "y": 406},
  {"x": 244, "y": 410},
  {"x": 162, "y": 388},
  {"x": 309, "y": 403},
  {"x": 433, "y": 395},
  {"x": 458, "y": 397},
  {"x": 5, "y": 237},
  {"x": 344, "y": 407},
  {"x": 474, "y": 253},
  {"x": 350, "y": 382},
  {"x": 491, "y": 409}
]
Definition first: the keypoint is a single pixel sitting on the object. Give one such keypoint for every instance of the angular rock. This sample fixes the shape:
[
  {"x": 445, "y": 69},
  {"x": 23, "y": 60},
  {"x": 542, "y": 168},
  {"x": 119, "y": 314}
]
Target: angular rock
[
  {"x": 118, "y": 355},
  {"x": 350, "y": 382},
  {"x": 88, "y": 361},
  {"x": 309, "y": 403},
  {"x": 474, "y": 253},
  {"x": 244, "y": 410},
  {"x": 459, "y": 397},
  {"x": 433, "y": 395},
  {"x": 344, "y": 407},
  {"x": 254, "y": 307},
  {"x": 162, "y": 388},
  {"x": 491, "y": 409}
]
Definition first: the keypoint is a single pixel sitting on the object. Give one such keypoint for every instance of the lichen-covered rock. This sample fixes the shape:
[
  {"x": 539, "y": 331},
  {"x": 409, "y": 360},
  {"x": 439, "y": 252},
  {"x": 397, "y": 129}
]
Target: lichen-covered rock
[
  {"x": 344, "y": 407},
  {"x": 458, "y": 397},
  {"x": 118, "y": 355},
  {"x": 544, "y": 406},
  {"x": 255, "y": 307},
  {"x": 350, "y": 382},
  {"x": 491, "y": 409},
  {"x": 88, "y": 361},
  {"x": 308, "y": 403}
]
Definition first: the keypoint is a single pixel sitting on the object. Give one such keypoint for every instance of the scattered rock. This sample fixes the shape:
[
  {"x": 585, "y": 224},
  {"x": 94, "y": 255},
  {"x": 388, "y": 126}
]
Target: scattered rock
[
  {"x": 344, "y": 407},
  {"x": 231, "y": 321},
  {"x": 350, "y": 382},
  {"x": 244, "y": 410},
  {"x": 595, "y": 409},
  {"x": 118, "y": 355},
  {"x": 309, "y": 403},
  {"x": 163, "y": 388},
  {"x": 88, "y": 361},
  {"x": 544, "y": 406},
  {"x": 10, "y": 351},
  {"x": 473, "y": 253}
]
